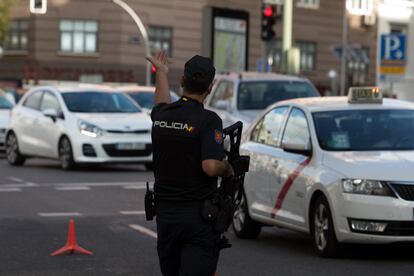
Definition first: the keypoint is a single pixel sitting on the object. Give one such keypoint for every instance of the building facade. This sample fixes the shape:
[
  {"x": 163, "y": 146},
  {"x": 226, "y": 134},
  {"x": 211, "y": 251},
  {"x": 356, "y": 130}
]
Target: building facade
[
  {"x": 97, "y": 41},
  {"x": 396, "y": 45}
]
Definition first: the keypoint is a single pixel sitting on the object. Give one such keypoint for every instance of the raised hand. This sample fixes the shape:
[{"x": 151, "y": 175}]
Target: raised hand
[{"x": 159, "y": 61}]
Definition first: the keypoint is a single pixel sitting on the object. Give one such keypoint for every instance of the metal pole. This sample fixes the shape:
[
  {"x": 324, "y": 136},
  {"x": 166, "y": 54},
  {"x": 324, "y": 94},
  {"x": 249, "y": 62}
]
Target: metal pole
[
  {"x": 344, "y": 50},
  {"x": 287, "y": 32},
  {"x": 143, "y": 32}
]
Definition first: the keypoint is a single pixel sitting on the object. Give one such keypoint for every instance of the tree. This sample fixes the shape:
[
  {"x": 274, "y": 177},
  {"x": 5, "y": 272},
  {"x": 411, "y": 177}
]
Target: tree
[{"x": 4, "y": 18}]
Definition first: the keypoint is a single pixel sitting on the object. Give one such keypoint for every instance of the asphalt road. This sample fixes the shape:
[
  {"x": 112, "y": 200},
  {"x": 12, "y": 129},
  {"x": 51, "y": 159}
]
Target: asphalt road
[{"x": 37, "y": 201}]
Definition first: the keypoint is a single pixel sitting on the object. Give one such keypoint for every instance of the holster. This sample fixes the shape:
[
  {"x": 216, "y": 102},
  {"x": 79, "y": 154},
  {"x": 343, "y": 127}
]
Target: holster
[
  {"x": 149, "y": 204},
  {"x": 218, "y": 211}
]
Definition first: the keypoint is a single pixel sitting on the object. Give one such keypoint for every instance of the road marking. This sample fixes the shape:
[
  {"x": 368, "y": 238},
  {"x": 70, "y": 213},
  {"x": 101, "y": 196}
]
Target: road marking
[
  {"x": 134, "y": 187},
  {"x": 22, "y": 185},
  {"x": 73, "y": 214},
  {"x": 15, "y": 179},
  {"x": 102, "y": 184},
  {"x": 31, "y": 184},
  {"x": 76, "y": 188},
  {"x": 10, "y": 190},
  {"x": 132, "y": 212},
  {"x": 144, "y": 230}
]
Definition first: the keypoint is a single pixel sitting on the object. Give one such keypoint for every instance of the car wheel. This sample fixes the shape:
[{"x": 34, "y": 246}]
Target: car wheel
[
  {"x": 66, "y": 154},
  {"x": 243, "y": 225},
  {"x": 14, "y": 157},
  {"x": 324, "y": 238}
]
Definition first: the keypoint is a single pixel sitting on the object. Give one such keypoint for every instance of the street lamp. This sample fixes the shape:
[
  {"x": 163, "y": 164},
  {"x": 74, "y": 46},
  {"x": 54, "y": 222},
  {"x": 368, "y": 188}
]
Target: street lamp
[
  {"x": 354, "y": 7},
  {"x": 143, "y": 32}
]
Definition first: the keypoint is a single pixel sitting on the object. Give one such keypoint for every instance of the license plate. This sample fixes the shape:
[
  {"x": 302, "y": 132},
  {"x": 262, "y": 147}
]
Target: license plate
[{"x": 130, "y": 146}]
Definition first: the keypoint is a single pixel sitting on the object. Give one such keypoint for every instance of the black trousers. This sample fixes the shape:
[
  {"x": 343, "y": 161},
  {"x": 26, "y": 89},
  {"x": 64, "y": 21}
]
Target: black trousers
[{"x": 187, "y": 246}]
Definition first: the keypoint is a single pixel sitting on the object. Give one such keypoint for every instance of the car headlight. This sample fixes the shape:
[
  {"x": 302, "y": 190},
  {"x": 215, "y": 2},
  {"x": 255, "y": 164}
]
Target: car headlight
[
  {"x": 89, "y": 129},
  {"x": 366, "y": 187}
]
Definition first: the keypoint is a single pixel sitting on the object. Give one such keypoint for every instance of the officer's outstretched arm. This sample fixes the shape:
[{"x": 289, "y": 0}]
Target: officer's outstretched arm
[
  {"x": 214, "y": 168},
  {"x": 162, "y": 90}
]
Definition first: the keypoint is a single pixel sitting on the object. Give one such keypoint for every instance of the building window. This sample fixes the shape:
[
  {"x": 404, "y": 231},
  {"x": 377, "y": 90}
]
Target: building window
[
  {"x": 78, "y": 36},
  {"x": 16, "y": 39},
  {"x": 358, "y": 65},
  {"x": 307, "y": 55},
  {"x": 310, "y": 4},
  {"x": 275, "y": 57},
  {"x": 160, "y": 38},
  {"x": 361, "y": 6}
]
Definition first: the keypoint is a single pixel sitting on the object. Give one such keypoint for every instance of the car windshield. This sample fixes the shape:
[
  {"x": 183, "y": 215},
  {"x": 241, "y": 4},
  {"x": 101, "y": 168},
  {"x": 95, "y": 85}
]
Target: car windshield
[
  {"x": 99, "y": 102},
  {"x": 365, "y": 130},
  {"x": 146, "y": 99},
  {"x": 260, "y": 94},
  {"x": 4, "y": 103}
]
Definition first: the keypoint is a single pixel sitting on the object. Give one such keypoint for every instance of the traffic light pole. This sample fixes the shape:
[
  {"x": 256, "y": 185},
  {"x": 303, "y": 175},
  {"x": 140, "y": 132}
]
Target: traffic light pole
[
  {"x": 344, "y": 51},
  {"x": 143, "y": 32},
  {"x": 287, "y": 32}
]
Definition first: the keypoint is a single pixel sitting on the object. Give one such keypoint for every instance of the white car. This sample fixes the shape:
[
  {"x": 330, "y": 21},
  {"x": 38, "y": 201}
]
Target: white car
[
  {"x": 5, "y": 110},
  {"x": 144, "y": 96},
  {"x": 340, "y": 169},
  {"x": 243, "y": 96},
  {"x": 79, "y": 125}
]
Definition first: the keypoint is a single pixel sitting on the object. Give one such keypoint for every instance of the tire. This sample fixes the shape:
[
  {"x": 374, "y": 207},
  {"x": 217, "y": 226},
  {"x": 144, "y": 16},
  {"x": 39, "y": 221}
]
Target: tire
[
  {"x": 243, "y": 225},
  {"x": 322, "y": 229},
  {"x": 149, "y": 166},
  {"x": 66, "y": 154},
  {"x": 14, "y": 157}
]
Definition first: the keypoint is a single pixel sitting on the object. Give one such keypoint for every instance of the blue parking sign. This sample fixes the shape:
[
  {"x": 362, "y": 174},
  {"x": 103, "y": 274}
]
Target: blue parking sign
[{"x": 393, "y": 48}]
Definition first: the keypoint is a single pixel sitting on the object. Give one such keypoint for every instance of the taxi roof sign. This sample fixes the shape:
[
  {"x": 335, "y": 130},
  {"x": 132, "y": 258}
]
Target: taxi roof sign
[{"x": 365, "y": 95}]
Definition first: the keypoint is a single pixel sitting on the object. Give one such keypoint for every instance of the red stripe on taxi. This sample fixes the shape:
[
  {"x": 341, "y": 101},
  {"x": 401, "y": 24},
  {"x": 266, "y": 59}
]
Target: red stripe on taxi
[{"x": 286, "y": 186}]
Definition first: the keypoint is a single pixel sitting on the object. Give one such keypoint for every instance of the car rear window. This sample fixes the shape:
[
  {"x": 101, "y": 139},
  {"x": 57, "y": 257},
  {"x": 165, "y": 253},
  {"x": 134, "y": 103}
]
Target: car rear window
[
  {"x": 256, "y": 95},
  {"x": 146, "y": 99}
]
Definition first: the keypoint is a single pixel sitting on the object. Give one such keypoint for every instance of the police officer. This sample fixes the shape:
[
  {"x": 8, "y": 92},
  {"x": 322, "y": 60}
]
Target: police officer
[{"x": 188, "y": 159}]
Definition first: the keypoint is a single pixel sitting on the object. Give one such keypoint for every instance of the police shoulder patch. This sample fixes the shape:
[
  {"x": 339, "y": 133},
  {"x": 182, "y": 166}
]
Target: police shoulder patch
[{"x": 218, "y": 136}]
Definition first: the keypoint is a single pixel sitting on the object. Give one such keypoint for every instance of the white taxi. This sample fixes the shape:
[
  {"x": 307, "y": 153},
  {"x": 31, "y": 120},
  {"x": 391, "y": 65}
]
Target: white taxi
[{"x": 338, "y": 168}]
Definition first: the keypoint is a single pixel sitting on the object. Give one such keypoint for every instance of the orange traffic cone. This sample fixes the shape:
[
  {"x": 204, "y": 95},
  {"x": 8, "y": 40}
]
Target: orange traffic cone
[{"x": 71, "y": 245}]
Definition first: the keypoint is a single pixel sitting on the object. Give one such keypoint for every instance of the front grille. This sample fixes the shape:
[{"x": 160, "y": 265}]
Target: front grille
[
  {"x": 143, "y": 131},
  {"x": 111, "y": 150},
  {"x": 88, "y": 150},
  {"x": 405, "y": 191}
]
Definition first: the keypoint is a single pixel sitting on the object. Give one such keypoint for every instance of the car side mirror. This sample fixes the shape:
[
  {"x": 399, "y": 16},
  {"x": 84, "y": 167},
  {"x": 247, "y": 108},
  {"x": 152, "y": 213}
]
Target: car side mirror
[
  {"x": 51, "y": 113},
  {"x": 222, "y": 105},
  {"x": 298, "y": 148}
]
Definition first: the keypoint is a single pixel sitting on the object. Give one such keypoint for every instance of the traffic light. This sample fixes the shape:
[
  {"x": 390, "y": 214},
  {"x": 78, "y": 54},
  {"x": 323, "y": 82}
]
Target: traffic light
[
  {"x": 268, "y": 21},
  {"x": 153, "y": 73},
  {"x": 38, "y": 6}
]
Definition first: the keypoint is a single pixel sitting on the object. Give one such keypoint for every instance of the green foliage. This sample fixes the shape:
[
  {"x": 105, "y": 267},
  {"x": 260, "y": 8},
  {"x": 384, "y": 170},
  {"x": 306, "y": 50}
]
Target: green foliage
[{"x": 4, "y": 18}]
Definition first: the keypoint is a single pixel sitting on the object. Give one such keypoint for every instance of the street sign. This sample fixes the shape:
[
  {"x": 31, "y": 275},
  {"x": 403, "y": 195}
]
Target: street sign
[{"x": 393, "y": 54}]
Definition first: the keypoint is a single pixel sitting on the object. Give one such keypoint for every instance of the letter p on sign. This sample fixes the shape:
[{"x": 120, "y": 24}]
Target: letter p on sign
[{"x": 393, "y": 47}]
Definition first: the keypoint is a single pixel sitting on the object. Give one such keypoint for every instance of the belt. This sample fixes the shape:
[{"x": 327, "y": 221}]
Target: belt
[{"x": 179, "y": 203}]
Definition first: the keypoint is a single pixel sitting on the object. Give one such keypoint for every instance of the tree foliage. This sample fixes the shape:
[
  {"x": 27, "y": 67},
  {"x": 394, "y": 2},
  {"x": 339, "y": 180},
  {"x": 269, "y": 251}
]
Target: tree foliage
[{"x": 4, "y": 18}]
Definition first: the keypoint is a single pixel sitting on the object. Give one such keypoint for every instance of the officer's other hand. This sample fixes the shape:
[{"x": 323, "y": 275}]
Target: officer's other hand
[{"x": 159, "y": 61}]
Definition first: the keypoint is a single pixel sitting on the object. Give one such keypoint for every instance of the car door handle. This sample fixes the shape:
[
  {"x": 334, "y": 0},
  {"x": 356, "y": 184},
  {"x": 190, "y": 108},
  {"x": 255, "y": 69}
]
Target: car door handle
[{"x": 275, "y": 163}]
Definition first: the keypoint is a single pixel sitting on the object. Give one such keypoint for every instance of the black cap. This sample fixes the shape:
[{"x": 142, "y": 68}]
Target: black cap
[{"x": 200, "y": 68}]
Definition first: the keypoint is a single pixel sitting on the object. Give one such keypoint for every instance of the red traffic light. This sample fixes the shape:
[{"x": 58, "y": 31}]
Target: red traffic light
[
  {"x": 153, "y": 69},
  {"x": 268, "y": 11}
]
